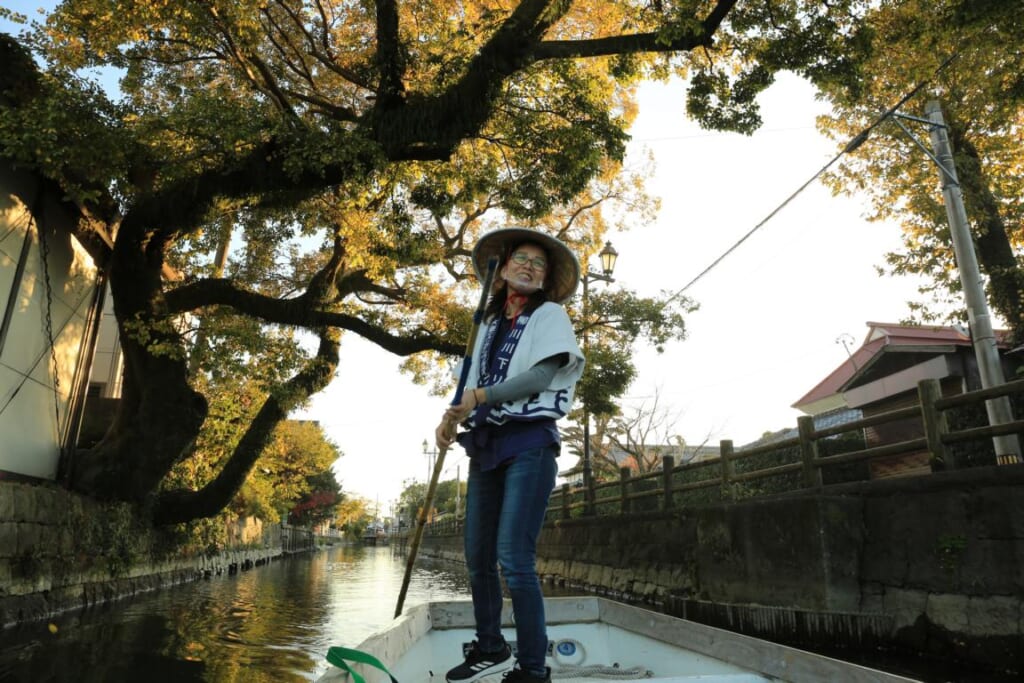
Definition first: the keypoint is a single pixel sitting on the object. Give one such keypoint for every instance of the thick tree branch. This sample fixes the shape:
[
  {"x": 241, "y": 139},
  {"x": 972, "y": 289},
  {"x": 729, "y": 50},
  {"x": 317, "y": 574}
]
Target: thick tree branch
[
  {"x": 298, "y": 312},
  {"x": 182, "y": 506},
  {"x": 390, "y": 59},
  {"x": 177, "y": 208},
  {"x": 616, "y": 45},
  {"x": 431, "y": 128},
  {"x": 637, "y": 43}
]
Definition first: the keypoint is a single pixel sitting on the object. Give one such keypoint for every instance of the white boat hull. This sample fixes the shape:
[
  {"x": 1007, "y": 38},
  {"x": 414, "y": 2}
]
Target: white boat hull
[{"x": 421, "y": 645}]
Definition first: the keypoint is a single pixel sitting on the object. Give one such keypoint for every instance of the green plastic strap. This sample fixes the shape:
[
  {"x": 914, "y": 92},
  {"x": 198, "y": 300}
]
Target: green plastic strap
[{"x": 338, "y": 655}]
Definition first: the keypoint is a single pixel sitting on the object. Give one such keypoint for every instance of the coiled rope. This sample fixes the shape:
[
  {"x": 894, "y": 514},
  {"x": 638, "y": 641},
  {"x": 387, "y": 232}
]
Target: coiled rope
[{"x": 569, "y": 654}]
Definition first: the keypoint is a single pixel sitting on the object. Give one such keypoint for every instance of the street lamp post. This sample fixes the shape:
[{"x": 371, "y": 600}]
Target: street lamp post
[
  {"x": 458, "y": 492},
  {"x": 431, "y": 456},
  {"x": 608, "y": 256}
]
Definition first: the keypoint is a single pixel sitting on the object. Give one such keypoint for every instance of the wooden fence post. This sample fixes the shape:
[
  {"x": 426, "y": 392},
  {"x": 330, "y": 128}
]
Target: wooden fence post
[
  {"x": 808, "y": 451},
  {"x": 624, "y": 475},
  {"x": 728, "y": 466},
  {"x": 667, "y": 463},
  {"x": 929, "y": 391},
  {"x": 566, "y": 499}
]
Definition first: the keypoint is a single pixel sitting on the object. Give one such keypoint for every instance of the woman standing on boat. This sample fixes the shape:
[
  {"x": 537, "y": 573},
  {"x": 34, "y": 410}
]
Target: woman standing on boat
[{"x": 524, "y": 371}]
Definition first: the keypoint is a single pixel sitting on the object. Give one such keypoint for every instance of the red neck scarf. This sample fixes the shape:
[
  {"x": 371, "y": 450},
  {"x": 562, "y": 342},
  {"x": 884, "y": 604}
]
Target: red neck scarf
[{"x": 514, "y": 306}]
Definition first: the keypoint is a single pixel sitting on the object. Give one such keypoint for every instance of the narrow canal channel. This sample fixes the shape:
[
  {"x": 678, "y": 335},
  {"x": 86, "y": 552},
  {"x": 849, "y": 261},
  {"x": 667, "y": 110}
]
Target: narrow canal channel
[{"x": 272, "y": 624}]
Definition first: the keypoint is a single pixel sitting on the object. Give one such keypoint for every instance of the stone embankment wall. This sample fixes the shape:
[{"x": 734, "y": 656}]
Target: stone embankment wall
[
  {"x": 927, "y": 565},
  {"x": 59, "y": 552}
]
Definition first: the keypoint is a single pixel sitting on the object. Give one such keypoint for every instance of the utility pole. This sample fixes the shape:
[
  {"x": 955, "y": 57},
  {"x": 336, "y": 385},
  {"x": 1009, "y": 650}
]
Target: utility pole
[
  {"x": 999, "y": 411},
  {"x": 431, "y": 454}
]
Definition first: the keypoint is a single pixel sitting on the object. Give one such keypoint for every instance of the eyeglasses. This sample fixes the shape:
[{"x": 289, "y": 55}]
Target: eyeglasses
[{"x": 522, "y": 258}]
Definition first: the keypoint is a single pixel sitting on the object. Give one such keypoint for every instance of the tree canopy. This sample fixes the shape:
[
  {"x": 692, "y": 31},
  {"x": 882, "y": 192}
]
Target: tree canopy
[
  {"x": 354, "y": 515},
  {"x": 449, "y": 499},
  {"x": 967, "y": 55},
  {"x": 320, "y": 503},
  {"x": 284, "y": 170}
]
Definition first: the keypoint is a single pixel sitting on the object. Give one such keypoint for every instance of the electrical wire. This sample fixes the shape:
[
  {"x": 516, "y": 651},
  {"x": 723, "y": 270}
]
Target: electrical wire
[{"x": 851, "y": 146}]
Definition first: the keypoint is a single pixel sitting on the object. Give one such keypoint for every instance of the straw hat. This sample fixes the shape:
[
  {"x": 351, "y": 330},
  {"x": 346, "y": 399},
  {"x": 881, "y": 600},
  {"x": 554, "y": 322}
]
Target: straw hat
[{"x": 563, "y": 275}]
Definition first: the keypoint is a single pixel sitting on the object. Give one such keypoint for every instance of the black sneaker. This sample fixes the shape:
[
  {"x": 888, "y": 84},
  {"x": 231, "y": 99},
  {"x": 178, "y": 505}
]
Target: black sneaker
[
  {"x": 517, "y": 675},
  {"x": 479, "y": 664}
]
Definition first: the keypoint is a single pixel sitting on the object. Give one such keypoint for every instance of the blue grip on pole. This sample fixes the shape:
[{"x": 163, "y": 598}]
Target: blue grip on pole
[
  {"x": 463, "y": 378},
  {"x": 478, "y": 317}
]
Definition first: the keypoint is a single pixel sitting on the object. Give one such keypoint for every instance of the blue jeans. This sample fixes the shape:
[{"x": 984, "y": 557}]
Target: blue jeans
[{"x": 504, "y": 513}]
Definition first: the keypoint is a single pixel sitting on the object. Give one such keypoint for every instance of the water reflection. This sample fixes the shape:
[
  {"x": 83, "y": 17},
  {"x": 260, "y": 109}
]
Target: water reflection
[{"x": 271, "y": 624}]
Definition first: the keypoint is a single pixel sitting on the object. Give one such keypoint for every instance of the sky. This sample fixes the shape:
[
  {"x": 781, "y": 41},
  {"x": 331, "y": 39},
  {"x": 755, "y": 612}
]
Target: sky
[{"x": 772, "y": 313}]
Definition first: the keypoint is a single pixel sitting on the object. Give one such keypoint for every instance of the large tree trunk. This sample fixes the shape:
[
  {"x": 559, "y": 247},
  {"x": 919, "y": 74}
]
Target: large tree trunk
[
  {"x": 159, "y": 415},
  {"x": 157, "y": 421}
]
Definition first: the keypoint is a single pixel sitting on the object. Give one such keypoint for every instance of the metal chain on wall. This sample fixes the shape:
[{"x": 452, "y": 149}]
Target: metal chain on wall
[{"x": 44, "y": 252}]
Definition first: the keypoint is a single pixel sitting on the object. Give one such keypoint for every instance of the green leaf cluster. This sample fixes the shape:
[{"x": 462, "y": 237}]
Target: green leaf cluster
[{"x": 966, "y": 56}]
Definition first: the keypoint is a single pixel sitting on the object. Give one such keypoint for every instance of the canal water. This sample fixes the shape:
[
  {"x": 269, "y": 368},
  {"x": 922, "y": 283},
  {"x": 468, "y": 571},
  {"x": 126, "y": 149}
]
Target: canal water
[{"x": 272, "y": 624}]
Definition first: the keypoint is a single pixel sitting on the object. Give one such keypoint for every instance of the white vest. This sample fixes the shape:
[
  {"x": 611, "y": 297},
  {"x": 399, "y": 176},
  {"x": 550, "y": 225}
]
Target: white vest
[{"x": 547, "y": 333}]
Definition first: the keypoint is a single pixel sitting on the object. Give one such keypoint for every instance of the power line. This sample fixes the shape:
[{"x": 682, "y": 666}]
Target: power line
[
  {"x": 718, "y": 134},
  {"x": 852, "y": 145}
]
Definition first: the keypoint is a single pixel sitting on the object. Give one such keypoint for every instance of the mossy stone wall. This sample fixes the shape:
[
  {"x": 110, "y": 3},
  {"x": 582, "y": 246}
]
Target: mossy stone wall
[{"x": 59, "y": 551}]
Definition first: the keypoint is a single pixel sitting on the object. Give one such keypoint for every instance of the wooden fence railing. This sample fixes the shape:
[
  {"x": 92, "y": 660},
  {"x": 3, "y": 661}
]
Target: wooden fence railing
[
  {"x": 449, "y": 524},
  {"x": 800, "y": 462},
  {"x": 295, "y": 539}
]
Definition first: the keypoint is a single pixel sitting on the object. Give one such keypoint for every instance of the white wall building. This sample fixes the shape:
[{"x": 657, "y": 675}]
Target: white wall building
[{"x": 50, "y": 293}]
